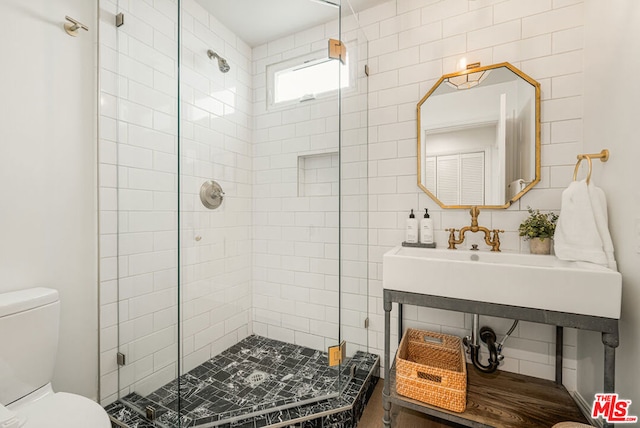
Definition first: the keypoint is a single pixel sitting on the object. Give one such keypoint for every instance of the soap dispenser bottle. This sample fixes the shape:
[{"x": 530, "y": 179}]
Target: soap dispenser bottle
[
  {"x": 426, "y": 228},
  {"x": 412, "y": 229}
]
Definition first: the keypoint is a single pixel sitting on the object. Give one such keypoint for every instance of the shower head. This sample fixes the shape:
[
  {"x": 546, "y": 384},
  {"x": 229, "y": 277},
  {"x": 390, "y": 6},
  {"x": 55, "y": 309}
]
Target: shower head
[{"x": 223, "y": 65}]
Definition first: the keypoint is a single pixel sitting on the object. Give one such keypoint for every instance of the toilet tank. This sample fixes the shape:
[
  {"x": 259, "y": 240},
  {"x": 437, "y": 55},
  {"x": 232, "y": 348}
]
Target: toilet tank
[{"x": 29, "y": 322}]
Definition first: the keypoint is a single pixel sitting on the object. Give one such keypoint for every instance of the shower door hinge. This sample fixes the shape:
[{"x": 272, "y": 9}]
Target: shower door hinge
[
  {"x": 366, "y": 322},
  {"x": 120, "y": 19},
  {"x": 366, "y": 69},
  {"x": 337, "y": 354},
  {"x": 150, "y": 413},
  {"x": 121, "y": 358},
  {"x": 337, "y": 50}
]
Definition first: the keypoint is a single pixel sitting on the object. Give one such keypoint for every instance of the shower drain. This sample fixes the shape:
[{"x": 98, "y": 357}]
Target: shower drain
[{"x": 256, "y": 378}]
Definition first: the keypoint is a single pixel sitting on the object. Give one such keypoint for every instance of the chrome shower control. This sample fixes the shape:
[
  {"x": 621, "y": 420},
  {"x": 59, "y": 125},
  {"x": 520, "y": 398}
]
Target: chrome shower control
[{"x": 211, "y": 194}]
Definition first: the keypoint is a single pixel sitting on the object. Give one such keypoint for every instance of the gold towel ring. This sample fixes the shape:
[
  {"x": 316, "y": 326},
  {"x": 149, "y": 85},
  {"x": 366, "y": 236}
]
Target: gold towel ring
[
  {"x": 575, "y": 171},
  {"x": 603, "y": 156}
]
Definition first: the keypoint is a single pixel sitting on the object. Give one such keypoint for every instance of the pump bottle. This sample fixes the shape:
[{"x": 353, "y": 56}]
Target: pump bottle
[
  {"x": 412, "y": 229},
  {"x": 426, "y": 228}
]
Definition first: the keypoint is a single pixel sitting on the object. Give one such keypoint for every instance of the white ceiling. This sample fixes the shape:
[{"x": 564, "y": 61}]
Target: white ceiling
[{"x": 260, "y": 21}]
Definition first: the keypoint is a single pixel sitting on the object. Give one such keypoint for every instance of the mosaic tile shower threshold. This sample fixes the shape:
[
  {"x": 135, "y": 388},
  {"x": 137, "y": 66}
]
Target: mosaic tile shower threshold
[{"x": 257, "y": 382}]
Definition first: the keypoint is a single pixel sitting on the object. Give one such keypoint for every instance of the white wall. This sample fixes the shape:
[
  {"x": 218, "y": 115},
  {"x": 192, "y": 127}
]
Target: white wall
[
  {"x": 48, "y": 214},
  {"x": 414, "y": 42},
  {"x": 612, "y": 40}
]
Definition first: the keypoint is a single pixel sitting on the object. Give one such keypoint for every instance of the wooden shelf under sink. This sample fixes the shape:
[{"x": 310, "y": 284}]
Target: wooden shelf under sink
[{"x": 503, "y": 399}]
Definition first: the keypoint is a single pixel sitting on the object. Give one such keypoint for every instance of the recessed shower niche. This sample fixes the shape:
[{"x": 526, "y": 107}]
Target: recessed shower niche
[
  {"x": 318, "y": 174},
  {"x": 184, "y": 90}
]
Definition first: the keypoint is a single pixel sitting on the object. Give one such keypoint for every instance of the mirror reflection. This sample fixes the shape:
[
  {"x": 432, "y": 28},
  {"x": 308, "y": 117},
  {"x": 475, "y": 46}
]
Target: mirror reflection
[{"x": 478, "y": 137}]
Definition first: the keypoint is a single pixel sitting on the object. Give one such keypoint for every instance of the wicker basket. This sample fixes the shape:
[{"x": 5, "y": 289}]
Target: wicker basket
[{"x": 430, "y": 367}]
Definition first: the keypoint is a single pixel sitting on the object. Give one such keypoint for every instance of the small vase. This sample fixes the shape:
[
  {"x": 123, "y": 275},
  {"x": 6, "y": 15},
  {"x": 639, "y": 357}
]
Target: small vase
[{"x": 540, "y": 246}]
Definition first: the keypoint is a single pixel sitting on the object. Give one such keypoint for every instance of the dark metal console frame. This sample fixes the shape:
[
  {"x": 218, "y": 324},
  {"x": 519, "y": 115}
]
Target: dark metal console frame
[{"x": 607, "y": 326}]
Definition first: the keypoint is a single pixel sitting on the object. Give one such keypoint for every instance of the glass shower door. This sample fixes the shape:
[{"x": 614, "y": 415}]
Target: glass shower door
[
  {"x": 237, "y": 201},
  {"x": 354, "y": 199},
  {"x": 259, "y": 223},
  {"x": 139, "y": 63}
]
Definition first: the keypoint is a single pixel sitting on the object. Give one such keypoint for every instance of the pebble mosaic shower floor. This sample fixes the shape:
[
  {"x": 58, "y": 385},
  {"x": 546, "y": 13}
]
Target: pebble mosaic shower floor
[{"x": 259, "y": 382}]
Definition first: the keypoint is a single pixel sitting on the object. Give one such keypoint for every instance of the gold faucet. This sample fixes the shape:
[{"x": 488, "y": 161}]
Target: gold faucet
[{"x": 492, "y": 241}]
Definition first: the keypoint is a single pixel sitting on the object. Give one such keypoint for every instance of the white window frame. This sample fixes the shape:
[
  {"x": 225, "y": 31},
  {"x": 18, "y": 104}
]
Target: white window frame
[{"x": 306, "y": 60}]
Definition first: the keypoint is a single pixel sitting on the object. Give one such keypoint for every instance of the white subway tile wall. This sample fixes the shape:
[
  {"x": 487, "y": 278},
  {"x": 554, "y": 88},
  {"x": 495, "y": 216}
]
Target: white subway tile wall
[
  {"x": 295, "y": 185},
  {"x": 216, "y": 132},
  {"x": 540, "y": 38},
  {"x": 296, "y": 202}
]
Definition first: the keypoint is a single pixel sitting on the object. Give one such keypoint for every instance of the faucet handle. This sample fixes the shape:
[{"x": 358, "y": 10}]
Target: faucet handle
[
  {"x": 452, "y": 238},
  {"x": 495, "y": 239}
]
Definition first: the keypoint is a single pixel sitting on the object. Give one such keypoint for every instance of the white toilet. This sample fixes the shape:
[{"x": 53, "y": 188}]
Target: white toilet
[{"x": 29, "y": 321}]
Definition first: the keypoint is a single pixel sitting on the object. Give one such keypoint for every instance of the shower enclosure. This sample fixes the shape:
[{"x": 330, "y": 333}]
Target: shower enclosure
[{"x": 233, "y": 205}]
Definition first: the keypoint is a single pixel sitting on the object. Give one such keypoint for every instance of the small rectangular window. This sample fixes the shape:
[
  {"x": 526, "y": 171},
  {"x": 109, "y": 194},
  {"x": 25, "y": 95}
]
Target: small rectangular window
[{"x": 307, "y": 78}]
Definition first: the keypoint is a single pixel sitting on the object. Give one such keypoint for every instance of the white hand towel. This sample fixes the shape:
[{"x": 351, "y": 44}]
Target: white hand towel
[
  {"x": 577, "y": 237},
  {"x": 599, "y": 207}
]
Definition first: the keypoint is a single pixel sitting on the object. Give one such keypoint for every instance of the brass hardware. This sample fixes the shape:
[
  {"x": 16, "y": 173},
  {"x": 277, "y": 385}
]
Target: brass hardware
[
  {"x": 366, "y": 69},
  {"x": 120, "y": 20},
  {"x": 337, "y": 354},
  {"x": 492, "y": 241},
  {"x": 337, "y": 50},
  {"x": 198, "y": 238},
  {"x": 150, "y": 413},
  {"x": 603, "y": 156},
  {"x": 72, "y": 29}
]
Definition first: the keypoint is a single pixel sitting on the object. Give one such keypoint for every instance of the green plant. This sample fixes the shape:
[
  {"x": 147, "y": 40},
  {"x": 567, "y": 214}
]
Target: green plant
[{"x": 538, "y": 225}]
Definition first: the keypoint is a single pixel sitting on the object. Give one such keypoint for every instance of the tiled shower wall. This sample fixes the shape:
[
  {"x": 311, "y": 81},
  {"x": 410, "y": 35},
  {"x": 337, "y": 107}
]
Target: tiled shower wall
[
  {"x": 215, "y": 145},
  {"x": 414, "y": 42},
  {"x": 139, "y": 179},
  {"x": 296, "y": 203}
]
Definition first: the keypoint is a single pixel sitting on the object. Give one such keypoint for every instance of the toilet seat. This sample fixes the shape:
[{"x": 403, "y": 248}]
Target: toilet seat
[{"x": 63, "y": 410}]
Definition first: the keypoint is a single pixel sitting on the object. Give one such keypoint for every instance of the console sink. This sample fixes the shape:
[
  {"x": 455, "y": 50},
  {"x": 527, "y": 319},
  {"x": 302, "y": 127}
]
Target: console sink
[{"x": 525, "y": 280}]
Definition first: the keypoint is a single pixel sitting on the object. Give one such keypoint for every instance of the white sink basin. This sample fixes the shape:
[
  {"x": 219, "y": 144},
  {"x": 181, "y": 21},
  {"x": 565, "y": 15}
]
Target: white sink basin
[{"x": 525, "y": 280}]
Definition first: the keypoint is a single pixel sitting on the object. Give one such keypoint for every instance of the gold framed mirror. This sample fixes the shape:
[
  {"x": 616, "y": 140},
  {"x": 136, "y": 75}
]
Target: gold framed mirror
[{"x": 479, "y": 137}]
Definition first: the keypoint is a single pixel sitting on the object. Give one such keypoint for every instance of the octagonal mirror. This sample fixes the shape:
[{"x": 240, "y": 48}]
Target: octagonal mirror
[{"x": 479, "y": 137}]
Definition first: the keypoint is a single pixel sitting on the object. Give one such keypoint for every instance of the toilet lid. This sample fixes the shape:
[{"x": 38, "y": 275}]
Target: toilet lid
[{"x": 62, "y": 410}]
